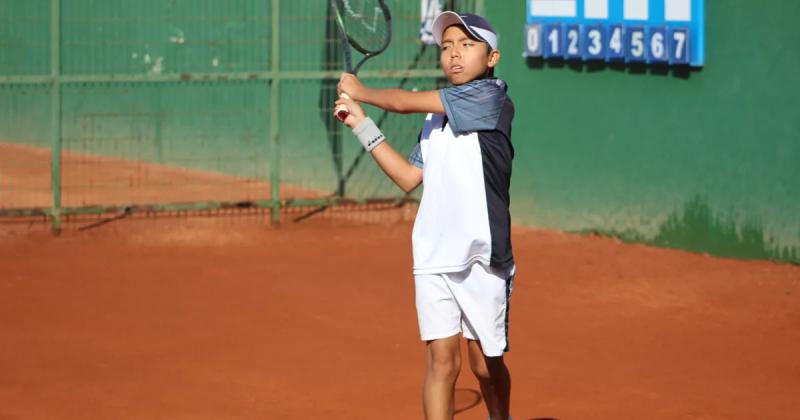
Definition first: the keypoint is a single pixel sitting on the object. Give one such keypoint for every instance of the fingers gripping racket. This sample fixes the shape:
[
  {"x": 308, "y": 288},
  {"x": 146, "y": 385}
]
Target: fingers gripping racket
[{"x": 366, "y": 25}]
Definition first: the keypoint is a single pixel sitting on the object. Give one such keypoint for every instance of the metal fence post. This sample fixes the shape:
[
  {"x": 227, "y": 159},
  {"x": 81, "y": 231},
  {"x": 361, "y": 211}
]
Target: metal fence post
[
  {"x": 55, "y": 112},
  {"x": 275, "y": 89}
]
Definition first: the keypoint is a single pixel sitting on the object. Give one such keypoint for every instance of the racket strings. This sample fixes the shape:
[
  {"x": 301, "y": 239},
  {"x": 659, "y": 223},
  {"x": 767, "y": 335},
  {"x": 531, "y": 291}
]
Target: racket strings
[{"x": 365, "y": 23}]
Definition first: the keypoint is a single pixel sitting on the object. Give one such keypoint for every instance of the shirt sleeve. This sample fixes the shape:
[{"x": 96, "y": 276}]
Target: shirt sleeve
[
  {"x": 474, "y": 106},
  {"x": 415, "y": 157}
]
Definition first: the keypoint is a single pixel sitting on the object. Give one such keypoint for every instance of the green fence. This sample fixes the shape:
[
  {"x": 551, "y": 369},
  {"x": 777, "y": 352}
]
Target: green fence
[
  {"x": 114, "y": 105},
  {"x": 205, "y": 104}
]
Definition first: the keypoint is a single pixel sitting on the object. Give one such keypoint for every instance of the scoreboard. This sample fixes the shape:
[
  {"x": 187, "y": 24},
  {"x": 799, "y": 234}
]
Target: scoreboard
[{"x": 666, "y": 32}]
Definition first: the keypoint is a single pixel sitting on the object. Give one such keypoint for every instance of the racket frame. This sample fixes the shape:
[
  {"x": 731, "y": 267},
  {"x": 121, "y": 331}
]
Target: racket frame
[{"x": 347, "y": 41}]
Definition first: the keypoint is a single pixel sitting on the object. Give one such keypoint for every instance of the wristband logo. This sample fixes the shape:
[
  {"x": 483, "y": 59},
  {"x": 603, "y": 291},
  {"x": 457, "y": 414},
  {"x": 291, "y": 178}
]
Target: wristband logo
[{"x": 377, "y": 139}]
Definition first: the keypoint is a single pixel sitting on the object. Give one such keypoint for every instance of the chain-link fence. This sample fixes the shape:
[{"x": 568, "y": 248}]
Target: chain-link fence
[{"x": 115, "y": 105}]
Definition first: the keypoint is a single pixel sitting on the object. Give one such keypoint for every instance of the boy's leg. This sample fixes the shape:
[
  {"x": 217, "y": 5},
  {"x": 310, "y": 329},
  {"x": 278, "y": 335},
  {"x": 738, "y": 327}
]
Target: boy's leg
[
  {"x": 494, "y": 379},
  {"x": 443, "y": 365}
]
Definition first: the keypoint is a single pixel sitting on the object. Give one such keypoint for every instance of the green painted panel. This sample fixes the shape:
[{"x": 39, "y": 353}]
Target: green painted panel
[
  {"x": 159, "y": 37},
  {"x": 24, "y": 37},
  {"x": 212, "y": 126},
  {"x": 25, "y": 114},
  {"x": 706, "y": 160}
]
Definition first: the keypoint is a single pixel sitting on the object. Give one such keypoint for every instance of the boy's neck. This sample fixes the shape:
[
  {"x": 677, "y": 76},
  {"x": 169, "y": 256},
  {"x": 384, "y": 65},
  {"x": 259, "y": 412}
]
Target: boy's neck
[{"x": 487, "y": 77}]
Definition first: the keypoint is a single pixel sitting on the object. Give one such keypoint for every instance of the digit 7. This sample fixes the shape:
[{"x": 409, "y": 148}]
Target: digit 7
[{"x": 678, "y": 41}]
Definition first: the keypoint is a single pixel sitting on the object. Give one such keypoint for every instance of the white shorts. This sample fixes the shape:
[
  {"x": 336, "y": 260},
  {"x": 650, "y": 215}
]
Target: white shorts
[{"x": 474, "y": 302}]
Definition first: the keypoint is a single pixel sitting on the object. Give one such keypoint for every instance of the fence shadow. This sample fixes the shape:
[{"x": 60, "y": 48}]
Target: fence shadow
[{"x": 467, "y": 399}]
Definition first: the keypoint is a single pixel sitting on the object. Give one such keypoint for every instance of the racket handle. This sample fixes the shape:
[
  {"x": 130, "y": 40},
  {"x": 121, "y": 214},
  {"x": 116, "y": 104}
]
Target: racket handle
[{"x": 341, "y": 111}]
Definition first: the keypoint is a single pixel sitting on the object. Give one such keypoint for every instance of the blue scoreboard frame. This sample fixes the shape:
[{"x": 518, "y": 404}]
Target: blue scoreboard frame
[{"x": 668, "y": 32}]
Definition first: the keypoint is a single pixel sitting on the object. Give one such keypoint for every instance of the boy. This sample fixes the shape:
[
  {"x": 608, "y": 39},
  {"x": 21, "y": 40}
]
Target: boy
[{"x": 463, "y": 265}]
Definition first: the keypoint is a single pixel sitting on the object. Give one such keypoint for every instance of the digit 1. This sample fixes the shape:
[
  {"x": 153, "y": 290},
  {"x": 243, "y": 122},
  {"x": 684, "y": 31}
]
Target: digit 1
[{"x": 553, "y": 44}]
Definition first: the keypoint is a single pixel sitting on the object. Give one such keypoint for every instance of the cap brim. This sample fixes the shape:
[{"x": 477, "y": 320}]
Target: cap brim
[{"x": 446, "y": 20}]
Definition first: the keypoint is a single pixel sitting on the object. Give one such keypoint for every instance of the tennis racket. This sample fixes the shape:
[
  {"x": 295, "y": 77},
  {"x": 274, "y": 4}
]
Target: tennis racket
[{"x": 366, "y": 25}]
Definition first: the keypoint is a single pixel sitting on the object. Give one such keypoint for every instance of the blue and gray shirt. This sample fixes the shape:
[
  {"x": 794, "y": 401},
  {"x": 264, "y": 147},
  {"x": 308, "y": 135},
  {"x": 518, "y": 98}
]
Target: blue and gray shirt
[{"x": 465, "y": 155}]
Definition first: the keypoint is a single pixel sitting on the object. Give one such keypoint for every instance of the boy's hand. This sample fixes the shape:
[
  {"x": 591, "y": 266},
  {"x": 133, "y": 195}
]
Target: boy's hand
[
  {"x": 349, "y": 84},
  {"x": 356, "y": 112}
]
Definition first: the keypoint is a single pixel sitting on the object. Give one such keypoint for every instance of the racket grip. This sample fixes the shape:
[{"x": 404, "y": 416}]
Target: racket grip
[{"x": 341, "y": 110}]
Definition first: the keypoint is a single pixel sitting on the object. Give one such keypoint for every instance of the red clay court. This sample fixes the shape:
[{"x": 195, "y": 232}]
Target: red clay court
[{"x": 227, "y": 317}]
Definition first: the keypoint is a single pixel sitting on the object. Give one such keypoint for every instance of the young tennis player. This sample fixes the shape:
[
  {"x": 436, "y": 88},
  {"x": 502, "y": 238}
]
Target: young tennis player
[{"x": 463, "y": 265}]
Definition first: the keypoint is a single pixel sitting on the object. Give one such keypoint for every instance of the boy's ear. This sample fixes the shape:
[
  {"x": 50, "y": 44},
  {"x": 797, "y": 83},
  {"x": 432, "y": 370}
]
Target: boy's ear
[{"x": 494, "y": 58}]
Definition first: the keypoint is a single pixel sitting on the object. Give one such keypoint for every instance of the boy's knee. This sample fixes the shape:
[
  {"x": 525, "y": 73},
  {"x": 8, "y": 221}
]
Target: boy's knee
[
  {"x": 487, "y": 368},
  {"x": 445, "y": 364},
  {"x": 480, "y": 370}
]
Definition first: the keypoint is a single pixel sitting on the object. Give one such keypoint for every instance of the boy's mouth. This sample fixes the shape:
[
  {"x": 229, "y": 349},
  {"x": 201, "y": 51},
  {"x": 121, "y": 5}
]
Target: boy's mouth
[{"x": 456, "y": 69}]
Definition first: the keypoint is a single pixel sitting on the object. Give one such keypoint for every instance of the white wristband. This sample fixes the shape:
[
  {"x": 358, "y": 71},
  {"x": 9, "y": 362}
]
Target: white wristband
[{"x": 369, "y": 134}]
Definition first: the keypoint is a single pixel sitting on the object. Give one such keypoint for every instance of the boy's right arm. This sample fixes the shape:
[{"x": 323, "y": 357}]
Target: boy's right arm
[
  {"x": 392, "y": 100},
  {"x": 396, "y": 166}
]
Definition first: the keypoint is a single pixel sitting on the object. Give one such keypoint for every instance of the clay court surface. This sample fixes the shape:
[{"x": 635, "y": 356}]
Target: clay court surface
[{"x": 228, "y": 317}]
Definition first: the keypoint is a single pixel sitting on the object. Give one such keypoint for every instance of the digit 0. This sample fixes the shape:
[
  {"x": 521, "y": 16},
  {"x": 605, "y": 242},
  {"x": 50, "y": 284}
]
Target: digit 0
[{"x": 534, "y": 40}]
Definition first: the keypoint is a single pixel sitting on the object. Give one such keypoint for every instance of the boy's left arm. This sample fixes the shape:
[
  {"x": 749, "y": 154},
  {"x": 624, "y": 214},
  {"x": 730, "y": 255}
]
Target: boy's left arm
[{"x": 392, "y": 100}]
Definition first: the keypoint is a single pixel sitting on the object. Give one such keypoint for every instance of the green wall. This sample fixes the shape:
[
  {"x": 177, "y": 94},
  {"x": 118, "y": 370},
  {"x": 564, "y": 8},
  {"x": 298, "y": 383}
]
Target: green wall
[
  {"x": 707, "y": 160},
  {"x": 207, "y": 120}
]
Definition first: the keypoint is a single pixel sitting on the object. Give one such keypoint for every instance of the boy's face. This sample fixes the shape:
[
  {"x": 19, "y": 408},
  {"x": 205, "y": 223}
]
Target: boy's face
[{"x": 463, "y": 58}]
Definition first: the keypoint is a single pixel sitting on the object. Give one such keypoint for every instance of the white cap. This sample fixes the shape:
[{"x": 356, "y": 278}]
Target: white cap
[{"x": 476, "y": 25}]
